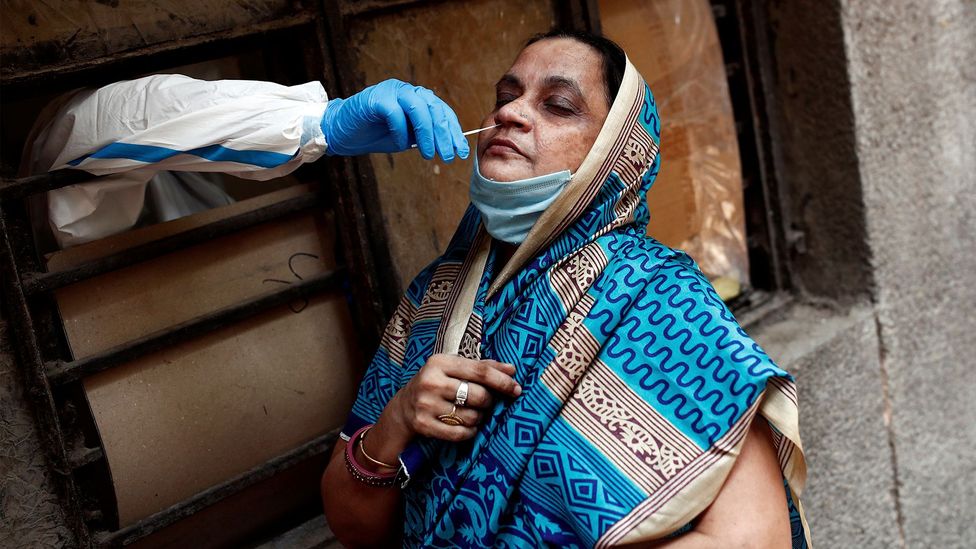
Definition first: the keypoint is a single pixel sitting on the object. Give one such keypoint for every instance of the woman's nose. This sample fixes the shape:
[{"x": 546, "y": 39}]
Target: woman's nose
[{"x": 513, "y": 113}]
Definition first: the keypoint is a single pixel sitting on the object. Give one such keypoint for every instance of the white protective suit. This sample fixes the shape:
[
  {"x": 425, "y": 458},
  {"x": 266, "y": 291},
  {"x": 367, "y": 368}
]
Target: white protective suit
[{"x": 131, "y": 131}]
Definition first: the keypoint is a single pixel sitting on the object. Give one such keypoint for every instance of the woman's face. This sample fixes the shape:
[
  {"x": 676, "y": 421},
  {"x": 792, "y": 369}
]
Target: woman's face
[{"x": 550, "y": 106}]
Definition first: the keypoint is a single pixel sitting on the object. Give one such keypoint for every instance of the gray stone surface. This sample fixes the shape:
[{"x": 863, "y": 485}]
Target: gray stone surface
[
  {"x": 30, "y": 512},
  {"x": 873, "y": 117},
  {"x": 312, "y": 534},
  {"x": 849, "y": 498},
  {"x": 913, "y": 86}
]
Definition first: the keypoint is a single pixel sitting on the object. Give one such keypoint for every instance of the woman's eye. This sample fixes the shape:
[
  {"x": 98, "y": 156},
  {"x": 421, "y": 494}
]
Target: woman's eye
[
  {"x": 561, "y": 110},
  {"x": 502, "y": 99}
]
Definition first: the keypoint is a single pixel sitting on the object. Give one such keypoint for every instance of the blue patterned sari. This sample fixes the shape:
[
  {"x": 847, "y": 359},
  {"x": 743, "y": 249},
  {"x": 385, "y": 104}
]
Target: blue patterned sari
[{"x": 638, "y": 384}]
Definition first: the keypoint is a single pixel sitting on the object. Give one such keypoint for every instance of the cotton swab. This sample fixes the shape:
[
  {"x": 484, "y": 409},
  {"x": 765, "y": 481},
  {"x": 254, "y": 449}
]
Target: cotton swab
[{"x": 470, "y": 132}]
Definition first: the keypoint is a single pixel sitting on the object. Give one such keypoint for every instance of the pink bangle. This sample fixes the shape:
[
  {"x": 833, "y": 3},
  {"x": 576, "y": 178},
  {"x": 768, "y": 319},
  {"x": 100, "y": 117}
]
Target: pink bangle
[{"x": 361, "y": 473}]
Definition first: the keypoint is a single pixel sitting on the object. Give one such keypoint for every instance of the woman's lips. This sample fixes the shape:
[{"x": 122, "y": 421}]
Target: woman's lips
[{"x": 501, "y": 146}]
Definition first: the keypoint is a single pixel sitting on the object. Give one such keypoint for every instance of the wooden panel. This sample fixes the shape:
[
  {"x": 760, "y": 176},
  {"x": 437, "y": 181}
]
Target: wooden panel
[
  {"x": 268, "y": 506},
  {"x": 181, "y": 420},
  {"x": 165, "y": 291},
  {"x": 459, "y": 50},
  {"x": 76, "y": 255},
  {"x": 178, "y": 421}
]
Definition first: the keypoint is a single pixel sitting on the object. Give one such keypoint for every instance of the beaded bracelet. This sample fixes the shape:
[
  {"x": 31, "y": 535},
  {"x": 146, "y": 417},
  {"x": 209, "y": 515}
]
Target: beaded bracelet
[{"x": 361, "y": 473}]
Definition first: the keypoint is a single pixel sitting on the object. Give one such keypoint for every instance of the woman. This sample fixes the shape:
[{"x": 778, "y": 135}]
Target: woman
[{"x": 557, "y": 377}]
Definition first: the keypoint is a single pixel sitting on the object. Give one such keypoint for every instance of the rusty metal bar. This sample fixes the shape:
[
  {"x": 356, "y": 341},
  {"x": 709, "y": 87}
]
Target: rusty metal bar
[
  {"x": 21, "y": 79},
  {"x": 39, "y": 391},
  {"x": 60, "y": 372},
  {"x": 35, "y": 283},
  {"x": 127, "y": 535},
  {"x": 360, "y": 7},
  {"x": 45, "y": 318},
  {"x": 740, "y": 27},
  {"x": 364, "y": 240},
  {"x": 18, "y": 188}
]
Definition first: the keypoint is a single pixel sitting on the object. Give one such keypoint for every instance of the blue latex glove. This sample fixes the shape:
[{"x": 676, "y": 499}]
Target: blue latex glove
[{"x": 382, "y": 118}]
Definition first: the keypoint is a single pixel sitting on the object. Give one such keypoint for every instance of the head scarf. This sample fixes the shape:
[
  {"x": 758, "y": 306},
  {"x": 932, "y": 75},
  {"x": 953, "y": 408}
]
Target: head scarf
[{"x": 638, "y": 384}]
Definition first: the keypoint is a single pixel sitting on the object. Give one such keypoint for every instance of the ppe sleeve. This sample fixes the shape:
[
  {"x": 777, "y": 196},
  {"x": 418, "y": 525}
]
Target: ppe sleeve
[{"x": 255, "y": 130}]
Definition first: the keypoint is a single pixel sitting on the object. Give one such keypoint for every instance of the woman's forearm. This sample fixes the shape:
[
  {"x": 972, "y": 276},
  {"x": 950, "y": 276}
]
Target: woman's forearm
[
  {"x": 361, "y": 515},
  {"x": 750, "y": 509}
]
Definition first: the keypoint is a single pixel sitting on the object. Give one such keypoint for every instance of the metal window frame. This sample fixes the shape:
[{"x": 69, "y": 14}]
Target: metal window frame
[
  {"x": 52, "y": 377},
  {"x": 766, "y": 239}
]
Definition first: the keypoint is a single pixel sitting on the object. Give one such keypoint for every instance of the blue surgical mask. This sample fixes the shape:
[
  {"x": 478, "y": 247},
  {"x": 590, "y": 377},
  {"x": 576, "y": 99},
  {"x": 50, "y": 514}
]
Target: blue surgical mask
[{"x": 510, "y": 209}]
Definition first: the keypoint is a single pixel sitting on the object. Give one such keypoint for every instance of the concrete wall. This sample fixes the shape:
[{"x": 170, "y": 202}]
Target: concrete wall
[
  {"x": 913, "y": 76},
  {"x": 873, "y": 109}
]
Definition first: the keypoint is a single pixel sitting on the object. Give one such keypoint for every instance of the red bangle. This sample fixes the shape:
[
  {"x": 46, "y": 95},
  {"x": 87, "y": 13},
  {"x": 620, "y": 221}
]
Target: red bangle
[{"x": 361, "y": 473}]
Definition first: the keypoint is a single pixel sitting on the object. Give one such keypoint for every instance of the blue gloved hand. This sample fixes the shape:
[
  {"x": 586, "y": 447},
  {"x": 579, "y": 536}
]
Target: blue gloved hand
[{"x": 381, "y": 118}]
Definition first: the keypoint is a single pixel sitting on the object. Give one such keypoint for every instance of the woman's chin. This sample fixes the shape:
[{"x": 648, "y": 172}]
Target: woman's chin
[{"x": 504, "y": 169}]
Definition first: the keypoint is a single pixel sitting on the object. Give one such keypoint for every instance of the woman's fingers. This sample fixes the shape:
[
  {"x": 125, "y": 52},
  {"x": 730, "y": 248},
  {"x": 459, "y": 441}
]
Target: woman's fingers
[
  {"x": 432, "y": 392},
  {"x": 429, "y": 423},
  {"x": 478, "y": 395},
  {"x": 443, "y": 388},
  {"x": 469, "y": 416},
  {"x": 452, "y": 433},
  {"x": 494, "y": 375}
]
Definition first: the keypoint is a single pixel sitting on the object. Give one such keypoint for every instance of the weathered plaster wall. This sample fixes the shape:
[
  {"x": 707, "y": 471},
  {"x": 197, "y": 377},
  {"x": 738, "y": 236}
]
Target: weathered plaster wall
[
  {"x": 43, "y": 35},
  {"x": 913, "y": 83},
  {"x": 873, "y": 114},
  {"x": 30, "y": 512}
]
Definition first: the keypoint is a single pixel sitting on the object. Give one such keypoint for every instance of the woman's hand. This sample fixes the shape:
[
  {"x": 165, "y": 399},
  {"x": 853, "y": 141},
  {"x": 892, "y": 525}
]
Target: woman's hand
[
  {"x": 362, "y": 515},
  {"x": 432, "y": 391},
  {"x": 414, "y": 409}
]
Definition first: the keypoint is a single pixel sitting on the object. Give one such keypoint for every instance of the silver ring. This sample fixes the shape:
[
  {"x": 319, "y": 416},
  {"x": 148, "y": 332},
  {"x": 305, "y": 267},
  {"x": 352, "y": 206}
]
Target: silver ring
[{"x": 461, "y": 397}]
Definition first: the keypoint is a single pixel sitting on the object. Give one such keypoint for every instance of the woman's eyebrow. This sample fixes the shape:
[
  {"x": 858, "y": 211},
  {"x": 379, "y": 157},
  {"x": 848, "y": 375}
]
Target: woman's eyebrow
[{"x": 511, "y": 80}]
